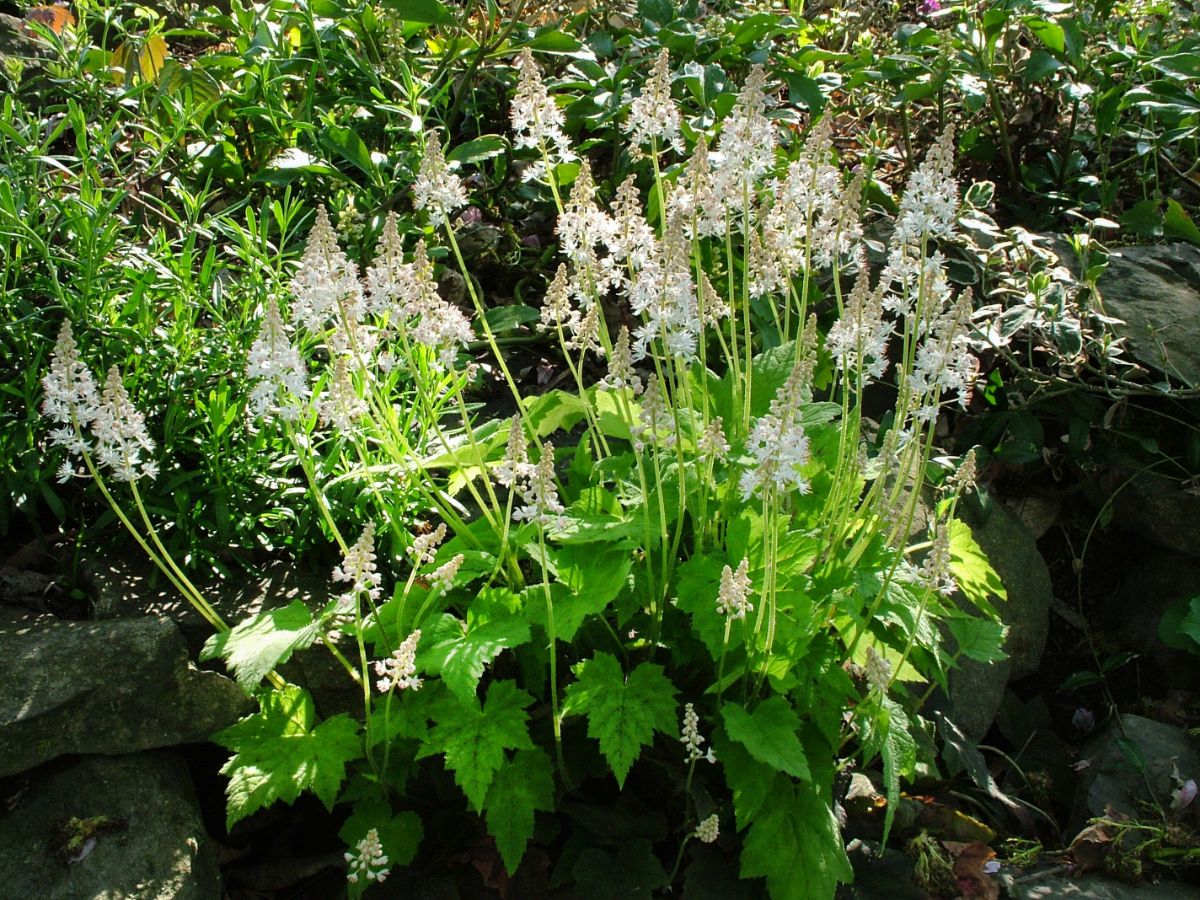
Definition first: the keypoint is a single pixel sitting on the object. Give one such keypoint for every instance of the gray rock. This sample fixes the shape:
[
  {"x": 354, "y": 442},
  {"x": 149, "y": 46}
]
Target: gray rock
[
  {"x": 977, "y": 689},
  {"x": 1097, "y": 887},
  {"x": 150, "y": 843},
  {"x": 125, "y": 587},
  {"x": 1155, "y": 292},
  {"x": 1149, "y": 587},
  {"x": 1013, "y": 553},
  {"x": 1159, "y": 508},
  {"x": 1111, "y": 778},
  {"x": 104, "y": 687}
]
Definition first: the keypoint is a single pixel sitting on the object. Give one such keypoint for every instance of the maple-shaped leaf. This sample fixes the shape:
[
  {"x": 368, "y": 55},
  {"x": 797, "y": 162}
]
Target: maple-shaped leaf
[
  {"x": 399, "y": 833},
  {"x": 770, "y": 733},
  {"x": 256, "y": 646},
  {"x": 278, "y": 753},
  {"x": 622, "y": 714},
  {"x": 748, "y": 779},
  {"x": 521, "y": 787},
  {"x": 458, "y": 651},
  {"x": 474, "y": 738},
  {"x": 795, "y": 843}
]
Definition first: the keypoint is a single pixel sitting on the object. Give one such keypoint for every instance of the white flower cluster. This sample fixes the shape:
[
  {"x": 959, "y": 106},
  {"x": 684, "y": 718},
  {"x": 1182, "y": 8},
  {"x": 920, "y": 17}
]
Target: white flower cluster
[
  {"x": 536, "y": 118},
  {"x": 653, "y": 116},
  {"x": 733, "y": 596},
  {"x": 655, "y": 427},
  {"x": 442, "y": 578},
  {"x": 437, "y": 189},
  {"x": 621, "y": 373},
  {"x": 691, "y": 738},
  {"x": 359, "y": 571},
  {"x": 325, "y": 287},
  {"x": 515, "y": 465},
  {"x": 778, "y": 442},
  {"x": 858, "y": 339},
  {"x": 424, "y": 546},
  {"x": 122, "y": 443},
  {"x": 934, "y": 572},
  {"x": 879, "y": 671},
  {"x": 367, "y": 860},
  {"x": 278, "y": 374},
  {"x": 746, "y": 148},
  {"x": 400, "y": 669},
  {"x": 340, "y": 405},
  {"x": 929, "y": 207},
  {"x": 120, "y": 431},
  {"x": 709, "y": 830},
  {"x": 539, "y": 494}
]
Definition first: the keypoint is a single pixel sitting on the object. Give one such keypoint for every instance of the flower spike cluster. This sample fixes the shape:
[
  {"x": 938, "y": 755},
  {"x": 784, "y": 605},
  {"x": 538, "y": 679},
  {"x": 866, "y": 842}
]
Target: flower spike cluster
[{"x": 71, "y": 402}]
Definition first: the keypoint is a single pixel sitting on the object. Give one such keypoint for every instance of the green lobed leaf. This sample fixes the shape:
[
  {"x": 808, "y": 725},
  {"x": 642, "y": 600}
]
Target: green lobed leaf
[
  {"x": 970, "y": 567},
  {"x": 770, "y": 734},
  {"x": 748, "y": 779},
  {"x": 622, "y": 714},
  {"x": 278, "y": 753},
  {"x": 795, "y": 844},
  {"x": 399, "y": 833},
  {"x": 520, "y": 788},
  {"x": 459, "y": 651},
  {"x": 979, "y": 639},
  {"x": 255, "y": 647},
  {"x": 473, "y": 738}
]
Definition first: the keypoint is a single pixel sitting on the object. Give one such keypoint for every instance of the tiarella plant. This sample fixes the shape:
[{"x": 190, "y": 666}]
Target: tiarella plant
[{"x": 703, "y": 558}]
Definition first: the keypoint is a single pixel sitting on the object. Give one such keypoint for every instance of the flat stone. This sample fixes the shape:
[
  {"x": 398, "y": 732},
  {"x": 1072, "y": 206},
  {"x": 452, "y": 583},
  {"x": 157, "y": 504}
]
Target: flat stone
[
  {"x": 1097, "y": 887},
  {"x": 104, "y": 687},
  {"x": 124, "y": 587},
  {"x": 1112, "y": 779},
  {"x": 976, "y": 688},
  {"x": 1155, "y": 293},
  {"x": 149, "y": 841}
]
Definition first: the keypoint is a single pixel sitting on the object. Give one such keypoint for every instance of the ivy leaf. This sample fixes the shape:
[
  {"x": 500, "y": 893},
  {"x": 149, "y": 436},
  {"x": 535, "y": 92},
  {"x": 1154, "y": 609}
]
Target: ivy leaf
[
  {"x": 770, "y": 734},
  {"x": 400, "y": 834},
  {"x": 623, "y": 714},
  {"x": 458, "y": 651},
  {"x": 794, "y": 842},
  {"x": 521, "y": 787},
  {"x": 474, "y": 739},
  {"x": 256, "y": 646},
  {"x": 278, "y": 753}
]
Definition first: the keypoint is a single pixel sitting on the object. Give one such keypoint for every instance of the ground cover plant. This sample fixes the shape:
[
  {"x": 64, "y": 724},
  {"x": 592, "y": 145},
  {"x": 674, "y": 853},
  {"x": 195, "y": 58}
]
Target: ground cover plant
[
  {"x": 676, "y": 527},
  {"x": 709, "y": 530}
]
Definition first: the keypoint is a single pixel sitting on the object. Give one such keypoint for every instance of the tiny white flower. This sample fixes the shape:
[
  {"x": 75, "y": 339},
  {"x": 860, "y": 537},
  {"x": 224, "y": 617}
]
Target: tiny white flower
[
  {"x": 367, "y": 860},
  {"x": 733, "y": 596},
  {"x": 708, "y": 830},
  {"x": 437, "y": 189},
  {"x": 400, "y": 669}
]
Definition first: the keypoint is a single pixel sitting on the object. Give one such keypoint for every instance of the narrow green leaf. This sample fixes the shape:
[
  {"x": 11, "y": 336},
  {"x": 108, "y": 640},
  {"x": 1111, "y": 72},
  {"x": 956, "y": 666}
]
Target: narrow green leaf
[
  {"x": 428, "y": 12},
  {"x": 350, "y": 147}
]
